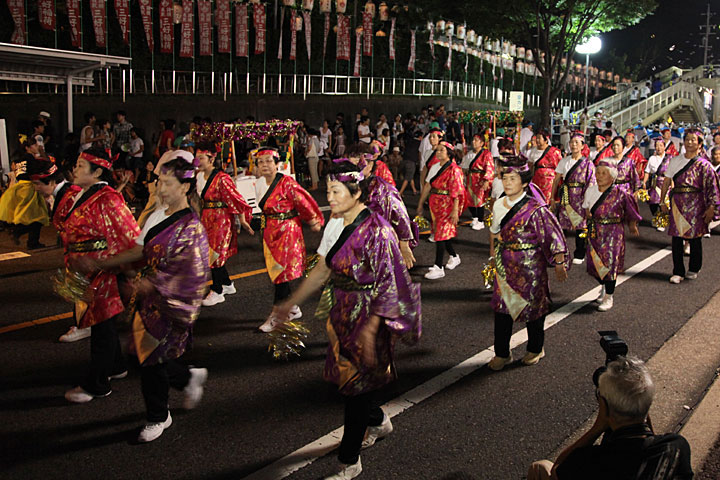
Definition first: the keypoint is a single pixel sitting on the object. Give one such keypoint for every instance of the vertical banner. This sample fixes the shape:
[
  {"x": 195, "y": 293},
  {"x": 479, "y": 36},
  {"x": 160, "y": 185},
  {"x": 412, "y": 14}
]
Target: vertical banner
[
  {"x": 205, "y": 26},
  {"x": 97, "y": 11},
  {"x": 122, "y": 10},
  {"x": 241, "y": 30},
  {"x": 46, "y": 14},
  {"x": 411, "y": 63},
  {"x": 431, "y": 41},
  {"x": 146, "y": 14},
  {"x": 327, "y": 31},
  {"x": 467, "y": 55},
  {"x": 293, "y": 35},
  {"x": 448, "y": 63},
  {"x": 187, "y": 33},
  {"x": 343, "y": 38},
  {"x": 167, "y": 32},
  {"x": 222, "y": 20},
  {"x": 259, "y": 24},
  {"x": 358, "y": 43},
  {"x": 367, "y": 33},
  {"x": 17, "y": 10},
  {"x": 308, "y": 31},
  {"x": 392, "y": 39},
  {"x": 73, "y": 9},
  {"x": 280, "y": 43}
]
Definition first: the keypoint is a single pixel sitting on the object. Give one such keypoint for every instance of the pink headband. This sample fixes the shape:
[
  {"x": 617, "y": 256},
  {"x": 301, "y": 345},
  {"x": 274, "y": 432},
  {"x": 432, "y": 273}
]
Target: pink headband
[{"x": 100, "y": 162}]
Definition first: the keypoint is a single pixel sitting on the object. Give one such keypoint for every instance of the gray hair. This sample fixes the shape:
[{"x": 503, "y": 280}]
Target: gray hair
[{"x": 627, "y": 387}]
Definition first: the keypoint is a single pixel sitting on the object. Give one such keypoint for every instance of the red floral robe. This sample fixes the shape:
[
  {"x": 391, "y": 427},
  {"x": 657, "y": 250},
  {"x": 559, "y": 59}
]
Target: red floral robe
[
  {"x": 221, "y": 202},
  {"x": 99, "y": 225},
  {"x": 585, "y": 151},
  {"x": 482, "y": 169},
  {"x": 382, "y": 171},
  {"x": 62, "y": 205},
  {"x": 545, "y": 171},
  {"x": 604, "y": 153},
  {"x": 283, "y": 242},
  {"x": 671, "y": 150},
  {"x": 447, "y": 185},
  {"x": 639, "y": 159}
]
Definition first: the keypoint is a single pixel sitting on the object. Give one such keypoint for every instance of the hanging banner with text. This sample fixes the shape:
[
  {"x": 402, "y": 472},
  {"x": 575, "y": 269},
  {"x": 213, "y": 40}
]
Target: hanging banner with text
[
  {"x": 411, "y": 63},
  {"x": 308, "y": 32},
  {"x": 392, "y": 39},
  {"x": 46, "y": 14},
  {"x": 293, "y": 35},
  {"x": 205, "y": 26},
  {"x": 167, "y": 32},
  {"x": 122, "y": 11},
  {"x": 259, "y": 24},
  {"x": 343, "y": 37},
  {"x": 368, "y": 34},
  {"x": 187, "y": 33},
  {"x": 241, "y": 30},
  {"x": 146, "y": 8},
  {"x": 326, "y": 33},
  {"x": 358, "y": 43},
  {"x": 97, "y": 12},
  {"x": 17, "y": 10},
  {"x": 73, "y": 9},
  {"x": 222, "y": 20}
]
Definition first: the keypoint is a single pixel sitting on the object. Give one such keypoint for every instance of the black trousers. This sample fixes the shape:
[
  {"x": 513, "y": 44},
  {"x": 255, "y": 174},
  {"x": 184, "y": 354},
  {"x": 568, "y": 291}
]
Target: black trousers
[
  {"x": 282, "y": 291},
  {"x": 33, "y": 231},
  {"x": 609, "y": 286},
  {"x": 156, "y": 381},
  {"x": 106, "y": 357},
  {"x": 477, "y": 212},
  {"x": 361, "y": 411},
  {"x": 654, "y": 207},
  {"x": 440, "y": 248},
  {"x": 503, "y": 332},
  {"x": 220, "y": 277},
  {"x": 695, "y": 255},
  {"x": 580, "y": 245}
]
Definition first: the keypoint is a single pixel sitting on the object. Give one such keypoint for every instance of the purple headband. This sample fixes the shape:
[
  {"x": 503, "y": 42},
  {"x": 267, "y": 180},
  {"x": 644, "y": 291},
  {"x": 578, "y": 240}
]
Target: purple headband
[
  {"x": 517, "y": 168},
  {"x": 184, "y": 175},
  {"x": 354, "y": 177}
]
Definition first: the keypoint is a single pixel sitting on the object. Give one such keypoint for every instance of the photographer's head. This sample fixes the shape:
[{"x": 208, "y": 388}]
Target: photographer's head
[{"x": 628, "y": 389}]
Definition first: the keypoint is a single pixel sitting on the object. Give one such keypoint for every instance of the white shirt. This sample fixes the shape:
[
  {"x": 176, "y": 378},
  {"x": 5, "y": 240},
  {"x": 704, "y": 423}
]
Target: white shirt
[
  {"x": 135, "y": 144},
  {"x": 653, "y": 163},
  {"x": 500, "y": 209},
  {"x": 467, "y": 160},
  {"x": 525, "y": 137},
  {"x": 431, "y": 173},
  {"x": 634, "y": 94},
  {"x": 424, "y": 157},
  {"x": 534, "y": 154},
  {"x": 494, "y": 147},
  {"x": 58, "y": 187},
  {"x": 200, "y": 182},
  {"x": 676, "y": 164},
  {"x": 156, "y": 217},
  {"x": 644, "y": 91},
  {"x": 333, "y": 229},
  {"x": 261, "y": 187},
  {"x": 565, "y": 165},
  {"x": 380, "y": 127},
  {"x": 497, "y": 188},
  {"x": 363, "y": 130},
  {"x": 592, "y": 194}
]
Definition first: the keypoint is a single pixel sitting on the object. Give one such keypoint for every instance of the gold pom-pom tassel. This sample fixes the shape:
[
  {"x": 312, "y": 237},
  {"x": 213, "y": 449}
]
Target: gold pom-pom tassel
[
  {"x": 583, "y": 233},
  {"x": 310, "y": 262},
  {"x": 288, "y": 339},
  {"x": 488, "y": 274},
  {"x": 422, "y": 223},
  {"x": 488, "y": 219},
  {"x": 661, "y": 220},
  {"x": 72, "y": 286},
  {"x": 642, "y": 195}
]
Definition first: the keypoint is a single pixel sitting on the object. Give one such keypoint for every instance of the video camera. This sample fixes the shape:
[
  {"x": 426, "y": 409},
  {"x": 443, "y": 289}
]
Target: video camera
[{"x": 613, "y": 346}]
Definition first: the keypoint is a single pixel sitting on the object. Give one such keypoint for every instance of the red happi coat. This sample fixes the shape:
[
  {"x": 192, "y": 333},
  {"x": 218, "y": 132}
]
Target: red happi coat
[
  {"x": 382, "y": 171},
  {"x": 447, "y": 185},
  {"x": 639, "y": 159},
  {"x": 218, "y": 221},
  {"x": 604, "y": 153},
  {"x": 100, "y": 214},
  {"x": 283, "y": 242},
  {"x": 545, "y": 171},
  {"x": 671, "y": 150},
  {"x": 62, "y": 205},
  {"x": 585, "y": 151},
  {"x": 482, "y": 169}
]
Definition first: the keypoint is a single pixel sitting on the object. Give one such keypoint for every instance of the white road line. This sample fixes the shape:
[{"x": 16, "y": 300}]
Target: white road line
[
  {"x": 322, "y": 446},
  {"x": 12, "y": 256}
]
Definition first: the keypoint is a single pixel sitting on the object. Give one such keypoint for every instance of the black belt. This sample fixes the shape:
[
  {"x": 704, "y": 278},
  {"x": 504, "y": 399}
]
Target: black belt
[
  {"x": 278, "y": 216},
  {"x": 88, "y": 246},
  {"x": 685, "y": 190},
  {"x": 437, "y": 191},
  {"x": 475, "y": 170},
  {"x": 214, "y": 205}
]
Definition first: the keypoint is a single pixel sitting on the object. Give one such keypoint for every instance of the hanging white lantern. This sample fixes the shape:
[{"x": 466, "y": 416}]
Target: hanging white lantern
[
  {"x": 520, "y": 52},
  {"x": 506, "y": 48},
  {"x": 471, "y": 37},
  {"x": 298, "y": 23},
  {"x": 449, "y": 29},
  {"x": 440, "y": 26},
  {"x": 496, "y": 46},
  {"x": 340, "y": 6},
  {"x": 520, "y": 67},
  {"x": 479, "y": 41},
  {"x": 177, "y": 13},
  {"x": 384, "y": 12},
  {"x": 325, "y": 6},
  {"x": 370, "y": 8},
  {"x": 461, "y": 32},
  {"x": 430, "y": 26},
  {"x": 308, "y": 4},
  {"x": 528, "y": 55}
]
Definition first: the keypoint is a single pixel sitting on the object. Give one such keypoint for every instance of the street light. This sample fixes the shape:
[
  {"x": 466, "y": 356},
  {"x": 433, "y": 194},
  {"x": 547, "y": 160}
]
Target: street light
[{"x": 590, "y": 47}]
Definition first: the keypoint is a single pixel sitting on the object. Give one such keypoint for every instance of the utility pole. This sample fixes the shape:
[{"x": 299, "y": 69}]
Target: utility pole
[{"x": 708, "y": 34}]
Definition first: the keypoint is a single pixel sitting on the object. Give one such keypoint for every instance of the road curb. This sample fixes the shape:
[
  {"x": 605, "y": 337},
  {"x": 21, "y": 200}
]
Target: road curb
[{"x": 703, "y": 427}]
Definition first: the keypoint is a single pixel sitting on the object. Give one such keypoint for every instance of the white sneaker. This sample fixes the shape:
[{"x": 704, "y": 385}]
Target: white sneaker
[
  {"x": 431, "y": 238},
  {"x": 79, "y": 395},
  {"x": 600, "y": 297},
  {"x": 295, "y": 313},
  {"x": 229, "y": 289},
  {"x": 118, "y": 376},
  {"x": 477, "y": 224},
  {"x": 270, "y": 324},
  {"x": 676, "y": 279},
  {"x": 660, "y": 229},
  {"x": 578, "y": 261},
  {"x": 213, "y": 298},
  {"x": 152, "y": 431},
  {"x": 691, "y": 275},
  {"x": 707, "y": 235},
  {"x": 347, "y": 471},
  {"x": 606, "y": 304},
  {"x": 376, "y": 433},
  {"x": 435, "y": 273},
  {"x": 195, "y": 388},
  {"x": 74, "y": 334},
  {"x": 453, "y": 262}
]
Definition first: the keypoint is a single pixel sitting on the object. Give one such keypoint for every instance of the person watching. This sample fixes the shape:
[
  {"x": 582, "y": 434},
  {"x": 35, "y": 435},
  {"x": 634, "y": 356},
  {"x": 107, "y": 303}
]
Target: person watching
[{"x": 629, "y": 448}]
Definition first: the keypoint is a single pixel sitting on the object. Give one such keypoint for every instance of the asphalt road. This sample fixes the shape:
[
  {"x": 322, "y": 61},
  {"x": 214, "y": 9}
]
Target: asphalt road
[{"x": 256, "y": 410}]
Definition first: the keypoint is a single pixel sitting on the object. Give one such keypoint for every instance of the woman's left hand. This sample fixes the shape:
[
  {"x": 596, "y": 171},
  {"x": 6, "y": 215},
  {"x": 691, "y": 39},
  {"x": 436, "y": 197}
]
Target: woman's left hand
[{"x": 454, "y": 217}]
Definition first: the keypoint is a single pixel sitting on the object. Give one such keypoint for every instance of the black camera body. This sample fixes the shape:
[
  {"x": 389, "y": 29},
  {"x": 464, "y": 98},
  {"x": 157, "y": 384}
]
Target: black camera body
[{"x": 613, "y": 346}]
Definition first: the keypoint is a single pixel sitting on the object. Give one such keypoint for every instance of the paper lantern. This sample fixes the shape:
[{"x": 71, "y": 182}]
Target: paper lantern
[
  {"x": 520, "y": 67},
  {"x": 528, "y": 55},
  {"x": 496, "y": 46},
  {"x": 471, "y": 37},
  {"x": 340, "y": 6},
  {"x": 289, "y": 3},
  {"x": 359, "y": 30},
  {"x": 449, "y": 29},
  {"x": 440, "y": 26},
  {"x": 430, "y": 26},
  {"x": 384, "y": 12},
  {"x": 479, "y": 41},
  {"x": 298, "y": 23},
  {"x": 461, "y": 32},
  {"x": 177, "y": 13},
  {"x": 506, "y": 48},
  {"x": 513, "y": 50},
  {"x": 325, "y": 6},
  {"x": 370, "y": 8},
  {"x": 380, "y": 33},
  {"x": 488, "y": 45},
  {"x": 308, "y": 4},
  {"x": 521, "y": 52}
]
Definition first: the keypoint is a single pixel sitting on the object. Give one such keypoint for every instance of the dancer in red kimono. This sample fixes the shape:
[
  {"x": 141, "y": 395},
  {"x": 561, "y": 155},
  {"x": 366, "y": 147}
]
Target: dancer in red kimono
[
  {"x": 380, "y": 169},
  {"x": 98, "y": 225},
  {"x": 446, "y": 190},
  {"x": 602, "y": 149},
  {"x": 481, "y": 171},
  {"x": 670, "y": 148},
  {"x": 220, "y": 203},
  {"x": 285, "y": 204},
  {"x": 545, "y": 165},
  {"x": 632, "y": 151}
]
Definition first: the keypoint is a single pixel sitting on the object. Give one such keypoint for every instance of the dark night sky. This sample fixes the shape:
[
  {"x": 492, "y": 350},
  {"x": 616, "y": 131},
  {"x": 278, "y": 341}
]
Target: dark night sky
[{"x": 675, "y": 22}]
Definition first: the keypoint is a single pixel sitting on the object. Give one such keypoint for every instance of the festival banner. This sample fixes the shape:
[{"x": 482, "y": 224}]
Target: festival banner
[
  {"x": 167, "y": 32},
  {"x": 17, "y": 10},
  {"x": 327, "y": 31},
  {"x": 73, "y": 10},
  {"x": 187, "y": 33},
  {"x": 205, "y": 26},
  {"x": 280, "y": 43},
  {"x": 431, "y": 41},
  {"x": 343, "y": 38},
  {"x": 146, "y": 8},
  {"x": 293, "y": 35},
  {"x": 308, "y": 32},
  {"x": 448, "y": 63},
  {"x": 122, "y": 10},
  {"x": 392, "y": 39},
  {"x": 411, "y": 63},
  {"x": 97, "y": 11},
  {"x": 259, "y": 24},
  {"x": 467, "y": 55},
  {"x": 367, "y": 33},
  {"x": 358, "y": 43},
  {"x": 46, "y": 14},
  {"x": 222, "y": 20},
  {"x": 241, "y": 30}
]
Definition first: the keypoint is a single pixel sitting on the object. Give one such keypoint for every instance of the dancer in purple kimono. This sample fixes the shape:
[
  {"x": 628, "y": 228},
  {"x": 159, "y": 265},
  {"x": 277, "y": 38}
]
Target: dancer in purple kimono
[
  {"x": 168, "y": 295},
  {"x": 694, "y": 200},
  {"x": 525, "y": 238},
  {"x": 372, "y": 303},
  {"x": 628, "y": 178},
  {"x": 577, "y": 174},
  {"x": 655, "y": 176},
  {"x": 608, "y": 207}
]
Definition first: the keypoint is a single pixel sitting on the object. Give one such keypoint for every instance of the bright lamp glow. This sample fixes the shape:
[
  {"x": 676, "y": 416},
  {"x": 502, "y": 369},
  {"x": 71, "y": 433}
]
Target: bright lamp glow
[{"x": 591, "y": 46}]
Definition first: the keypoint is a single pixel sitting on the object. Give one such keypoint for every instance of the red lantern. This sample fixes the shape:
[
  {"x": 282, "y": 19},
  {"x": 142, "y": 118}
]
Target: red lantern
[{"x": 340, "y": 6}]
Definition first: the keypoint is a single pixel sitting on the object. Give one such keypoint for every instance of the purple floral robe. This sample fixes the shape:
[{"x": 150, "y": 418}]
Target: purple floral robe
[
  {"x": 606, "y": 247},
  {"x": 176, "y": 251},
  {"x": 657, "y": 180},
  {"x": 687, "y": 208},
  {"x": 369, "y": 277},
  {"x": 628, "y": 178},
  {"x": 572, "y": 193},
  {"x": 385, "y": 199},
  {"x": 528, "y": 244}
]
